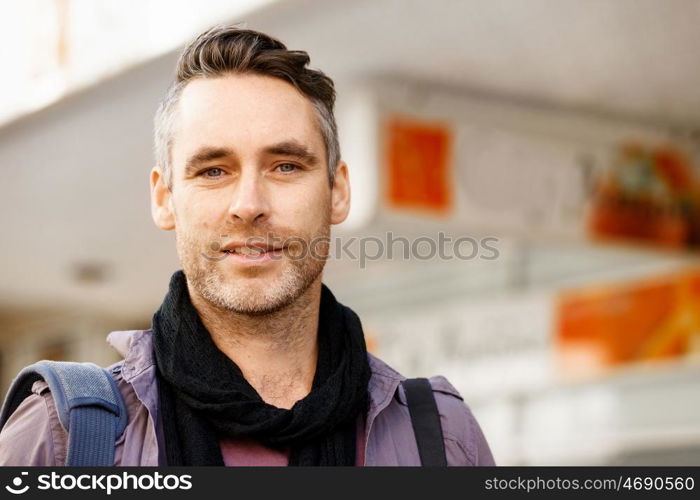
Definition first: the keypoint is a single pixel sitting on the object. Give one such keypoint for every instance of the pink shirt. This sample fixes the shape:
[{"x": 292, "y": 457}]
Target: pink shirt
[{"x": 247, "y": 452}]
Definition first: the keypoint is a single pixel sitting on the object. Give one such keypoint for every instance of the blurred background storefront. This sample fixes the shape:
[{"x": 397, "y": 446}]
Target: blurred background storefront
[{"x": 551, "y": 148}]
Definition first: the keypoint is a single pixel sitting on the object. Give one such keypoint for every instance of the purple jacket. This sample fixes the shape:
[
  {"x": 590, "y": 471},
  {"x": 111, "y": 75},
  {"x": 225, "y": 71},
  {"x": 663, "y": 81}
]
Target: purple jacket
[{"x": 34, "y": 435}]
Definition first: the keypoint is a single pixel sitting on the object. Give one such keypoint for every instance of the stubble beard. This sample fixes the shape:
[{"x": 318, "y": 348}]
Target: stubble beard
[{"x": 253, "y": 297}]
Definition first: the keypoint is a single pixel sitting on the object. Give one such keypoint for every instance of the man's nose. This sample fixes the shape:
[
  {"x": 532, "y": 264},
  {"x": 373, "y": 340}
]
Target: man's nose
[{"x": 250, "y": 201}]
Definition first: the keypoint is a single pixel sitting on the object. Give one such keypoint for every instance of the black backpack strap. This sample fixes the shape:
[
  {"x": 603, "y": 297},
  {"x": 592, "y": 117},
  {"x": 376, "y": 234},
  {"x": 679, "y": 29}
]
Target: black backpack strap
[{"x": 425, "y": 419}]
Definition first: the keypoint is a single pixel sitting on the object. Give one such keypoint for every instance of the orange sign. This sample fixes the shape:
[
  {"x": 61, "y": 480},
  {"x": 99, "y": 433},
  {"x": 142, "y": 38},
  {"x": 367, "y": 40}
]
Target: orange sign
[
  {"x": 418, "y": 161},
  {"x": 648, "y": 196},
  {"x": 607, "y": 326}
]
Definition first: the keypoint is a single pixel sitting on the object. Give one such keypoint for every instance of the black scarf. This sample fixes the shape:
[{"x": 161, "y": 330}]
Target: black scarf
[{"x": 204, "y": 396}]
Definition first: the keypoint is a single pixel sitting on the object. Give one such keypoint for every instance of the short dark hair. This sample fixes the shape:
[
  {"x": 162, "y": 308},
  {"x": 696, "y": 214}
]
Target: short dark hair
[{"x": 231, "y": 50}]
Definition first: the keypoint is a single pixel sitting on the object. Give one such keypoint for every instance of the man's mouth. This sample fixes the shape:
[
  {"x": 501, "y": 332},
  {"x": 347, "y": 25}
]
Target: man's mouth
[{"x": 250, "y": 251}]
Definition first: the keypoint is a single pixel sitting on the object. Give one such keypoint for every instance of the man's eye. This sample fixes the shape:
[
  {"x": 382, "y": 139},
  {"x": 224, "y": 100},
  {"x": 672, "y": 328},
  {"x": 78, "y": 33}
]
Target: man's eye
[
  {"x": 287, "y": 167},
  {"x": 212, "y": 173}
]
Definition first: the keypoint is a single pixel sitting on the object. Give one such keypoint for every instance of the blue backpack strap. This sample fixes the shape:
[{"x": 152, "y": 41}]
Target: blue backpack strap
[
  {"x": 425, "y": 419},
  {"x": 89, "y": 405}
]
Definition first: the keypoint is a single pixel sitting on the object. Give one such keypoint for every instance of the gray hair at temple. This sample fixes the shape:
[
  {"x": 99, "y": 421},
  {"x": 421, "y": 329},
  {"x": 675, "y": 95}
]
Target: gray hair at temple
[{"x": 225, "y": 50}]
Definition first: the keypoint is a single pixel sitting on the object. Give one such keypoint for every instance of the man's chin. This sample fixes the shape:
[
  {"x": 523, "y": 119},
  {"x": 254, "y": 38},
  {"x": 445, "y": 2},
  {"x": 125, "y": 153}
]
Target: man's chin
[
  {"x": 252, "y": 297},
  {"x": 253, "y": 294}
]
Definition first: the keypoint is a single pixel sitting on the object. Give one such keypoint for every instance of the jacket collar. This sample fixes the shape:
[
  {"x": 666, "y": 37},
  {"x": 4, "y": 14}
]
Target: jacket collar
[{"x": 136, "y": 347}]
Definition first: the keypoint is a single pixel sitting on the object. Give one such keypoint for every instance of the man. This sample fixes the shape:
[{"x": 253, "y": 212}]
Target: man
[{"x": 250, "y": 359}]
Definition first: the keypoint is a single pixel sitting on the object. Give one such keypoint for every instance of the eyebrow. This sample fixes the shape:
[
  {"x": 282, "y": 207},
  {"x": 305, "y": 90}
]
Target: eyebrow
[
  {"x": 206, "y": 154},
  {"x": 294, "y": 149}
]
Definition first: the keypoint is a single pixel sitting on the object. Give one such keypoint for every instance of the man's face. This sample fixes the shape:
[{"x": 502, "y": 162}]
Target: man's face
[{"x": 249, "y": 167}]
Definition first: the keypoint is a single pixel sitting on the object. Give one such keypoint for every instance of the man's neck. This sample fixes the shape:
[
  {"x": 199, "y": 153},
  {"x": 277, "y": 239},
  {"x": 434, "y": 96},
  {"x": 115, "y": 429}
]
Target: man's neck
[{"x": 276, "y": 352}]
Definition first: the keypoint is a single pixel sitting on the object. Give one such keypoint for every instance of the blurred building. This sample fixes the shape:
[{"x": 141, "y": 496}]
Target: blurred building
[{"x": 525, "y": 210}]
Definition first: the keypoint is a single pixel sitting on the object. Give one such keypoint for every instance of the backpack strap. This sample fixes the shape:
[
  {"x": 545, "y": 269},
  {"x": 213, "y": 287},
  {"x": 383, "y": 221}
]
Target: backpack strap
[
  {"x": 425, "y": 419},
  {"x": 89, "y": 405}
]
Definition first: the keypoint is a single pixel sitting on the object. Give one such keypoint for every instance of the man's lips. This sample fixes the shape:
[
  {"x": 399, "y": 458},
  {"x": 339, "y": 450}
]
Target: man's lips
[
  {"x": 255, "y": 249},
  {"x": 251, "y": 250}
]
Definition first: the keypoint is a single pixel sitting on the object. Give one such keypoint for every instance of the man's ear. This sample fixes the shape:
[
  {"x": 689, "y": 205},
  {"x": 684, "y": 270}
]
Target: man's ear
[
  {"x": 340, "y": 194},
  {"x": 161, "y": 201}
]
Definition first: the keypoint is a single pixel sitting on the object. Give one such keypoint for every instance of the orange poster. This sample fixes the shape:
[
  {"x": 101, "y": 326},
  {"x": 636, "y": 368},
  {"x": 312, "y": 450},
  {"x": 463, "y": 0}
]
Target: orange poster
[
  {"x": 649, "y": 196},
  {"x": 418, "y": 163},
  {"x": 603, "y": 327}
]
